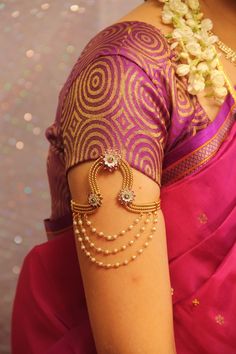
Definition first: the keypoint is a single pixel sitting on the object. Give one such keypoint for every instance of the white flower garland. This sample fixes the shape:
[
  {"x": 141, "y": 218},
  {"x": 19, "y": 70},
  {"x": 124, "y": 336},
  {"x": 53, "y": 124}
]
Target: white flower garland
[{"x": 195, "y": 47}]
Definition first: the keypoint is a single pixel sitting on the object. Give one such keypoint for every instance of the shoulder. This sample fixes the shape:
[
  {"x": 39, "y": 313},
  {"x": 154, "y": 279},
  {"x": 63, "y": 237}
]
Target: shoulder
[
  {"x": 134, "y": 39},
  {"x": 139, "y": 42}
]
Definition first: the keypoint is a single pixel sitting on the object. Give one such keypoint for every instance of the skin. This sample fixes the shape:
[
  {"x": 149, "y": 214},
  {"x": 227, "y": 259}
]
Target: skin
[
  {"x": 130, "y": 309},
  {"x": 224, "y": 27}
]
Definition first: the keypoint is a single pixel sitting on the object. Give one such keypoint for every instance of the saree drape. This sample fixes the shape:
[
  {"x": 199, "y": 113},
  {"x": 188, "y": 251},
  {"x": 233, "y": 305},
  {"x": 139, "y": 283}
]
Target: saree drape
[
  {"x": 198, "y": 196},
  {"x": 50, "y": 313}
]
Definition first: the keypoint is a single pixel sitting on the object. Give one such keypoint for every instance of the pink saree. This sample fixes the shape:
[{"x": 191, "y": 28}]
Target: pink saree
[
  {"x": 201, "y": 240},
  {"x": 199, "y": 204},
  {"x": 200, "y": 214}
]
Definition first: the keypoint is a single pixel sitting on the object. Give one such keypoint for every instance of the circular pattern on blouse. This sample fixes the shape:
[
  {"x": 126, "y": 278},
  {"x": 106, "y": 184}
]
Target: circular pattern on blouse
[
  {"x": 113, "y": 104},
  {"x": 149, "y": 78},
  {"x": 148, "y": 42}
]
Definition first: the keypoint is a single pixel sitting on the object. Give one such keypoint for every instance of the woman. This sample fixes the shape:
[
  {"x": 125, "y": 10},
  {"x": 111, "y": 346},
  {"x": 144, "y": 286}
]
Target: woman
[{"x": 135, "y": 102}]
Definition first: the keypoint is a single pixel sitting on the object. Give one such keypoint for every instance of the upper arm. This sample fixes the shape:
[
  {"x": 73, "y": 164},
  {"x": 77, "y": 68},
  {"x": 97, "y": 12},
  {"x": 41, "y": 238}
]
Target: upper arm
[{"x": 112, "y": 104}]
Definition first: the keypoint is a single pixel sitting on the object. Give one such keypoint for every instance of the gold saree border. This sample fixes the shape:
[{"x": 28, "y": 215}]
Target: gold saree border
[{"x": 198, "y": 158}]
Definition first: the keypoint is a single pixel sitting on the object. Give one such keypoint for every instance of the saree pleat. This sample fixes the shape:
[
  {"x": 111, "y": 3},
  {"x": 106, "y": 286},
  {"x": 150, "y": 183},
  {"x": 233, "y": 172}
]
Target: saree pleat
[
  {"x": 198, "y": 195},
  {"x": 50, "y": 313},
  {"x": 200, "y": 216}
]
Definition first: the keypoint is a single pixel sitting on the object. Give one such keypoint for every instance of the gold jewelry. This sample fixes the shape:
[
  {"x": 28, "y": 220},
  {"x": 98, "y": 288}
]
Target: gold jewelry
[
  {"x": 112, "y": 160},
  {"x": 106, "y": 251},
  {"x": 229, "y": 53},
  {"x": 83, "y": 238},
  {"x": 113, "y": 237}
]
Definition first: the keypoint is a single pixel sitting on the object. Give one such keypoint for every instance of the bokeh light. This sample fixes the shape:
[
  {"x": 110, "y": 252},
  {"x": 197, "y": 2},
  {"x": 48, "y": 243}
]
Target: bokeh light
[{"x": 40, "y": 41}]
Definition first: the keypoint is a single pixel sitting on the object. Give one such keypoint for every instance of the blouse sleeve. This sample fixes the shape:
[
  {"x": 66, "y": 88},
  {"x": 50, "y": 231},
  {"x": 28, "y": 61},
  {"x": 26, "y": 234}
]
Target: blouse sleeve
[{"x": 113, "y": 103}]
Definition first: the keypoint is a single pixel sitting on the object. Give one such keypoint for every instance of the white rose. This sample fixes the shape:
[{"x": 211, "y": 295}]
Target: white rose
[
  {"x": 190, "y": 90},
  {"x": 192, "y": 23},
  {"x": 185, "y": 33},
  {"x": 184, "y": 55},
  {"x": 174, "y": 45},
  {"x": 181, "y": 22},
  {"x": 166, "y": 7},
  {"x": 213, "y": 63},
  {"x": 196, "y": 84},
  {"x": 199, "y": 15},
  {"x": 213, "y": 39},
  {"x": 189, "y": 16},
  {"x": 206, "y": 24},
  {"x": 193, "y": 4},
  {"x": 167, "y": 17},
  {"x": 183, "y": 69},
  {"x": 208, "y": 54},
  {"x": 177, "y": 33},
  {"x": 194, "y": 48},
  {"x": 204, "y": 37},
  {"x": 217, "y": 78},
  {"x": 178, "y": 6},
  {"x": 196, "y": 87},
  {"x": 182, "y": 9},
  {"x": 203, "y": 67},
  {"x": 220, "y": 91}
]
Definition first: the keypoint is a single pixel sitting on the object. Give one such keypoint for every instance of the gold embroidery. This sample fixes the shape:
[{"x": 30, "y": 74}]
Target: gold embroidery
[
  {"x": 111, "y": 161},
  {"x": 220, "y": 319},
  {"x": 199, "y": 157},
  {"x": 196, "y": 302},
  {"x": 111, "y": 104},
  {"x": 147, "y": 50},
  {"x": 202, "y": 218},
  {"x": 129, "y": 29}
]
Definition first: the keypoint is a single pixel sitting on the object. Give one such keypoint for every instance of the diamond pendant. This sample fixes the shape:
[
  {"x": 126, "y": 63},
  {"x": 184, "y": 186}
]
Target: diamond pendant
[
  {"x": 111, "y": 159},
  {"x": 126, "y": 196}
]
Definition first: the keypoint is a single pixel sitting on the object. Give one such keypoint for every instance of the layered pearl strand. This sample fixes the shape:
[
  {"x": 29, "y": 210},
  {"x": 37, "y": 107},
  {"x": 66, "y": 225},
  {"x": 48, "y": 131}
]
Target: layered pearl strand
[
  {"x": 81, "y": 221},
  {"x": 84, "y": 229}
]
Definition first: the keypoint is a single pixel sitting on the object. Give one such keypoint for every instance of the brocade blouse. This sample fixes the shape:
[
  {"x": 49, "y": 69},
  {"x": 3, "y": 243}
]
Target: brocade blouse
[{"x": 122, "y": 92}]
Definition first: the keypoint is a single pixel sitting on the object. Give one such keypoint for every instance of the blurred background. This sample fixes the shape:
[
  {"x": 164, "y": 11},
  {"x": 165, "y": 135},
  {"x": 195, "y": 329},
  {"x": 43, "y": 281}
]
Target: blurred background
[{"x": 39, "y": 43}]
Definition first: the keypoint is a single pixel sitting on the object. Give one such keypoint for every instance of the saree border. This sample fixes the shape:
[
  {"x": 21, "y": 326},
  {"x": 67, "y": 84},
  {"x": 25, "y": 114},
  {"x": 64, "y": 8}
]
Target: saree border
[
  {"x": 196, "y": 159},
  {"x": 54, "y": 227}
]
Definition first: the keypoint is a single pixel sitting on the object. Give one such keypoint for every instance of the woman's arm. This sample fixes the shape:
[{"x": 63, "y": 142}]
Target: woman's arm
[{"x": 130, "y": 307}]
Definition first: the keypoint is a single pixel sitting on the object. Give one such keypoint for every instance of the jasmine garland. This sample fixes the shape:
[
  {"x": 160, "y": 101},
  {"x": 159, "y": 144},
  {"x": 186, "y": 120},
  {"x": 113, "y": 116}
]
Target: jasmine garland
[{"x": 199, "y": 61}]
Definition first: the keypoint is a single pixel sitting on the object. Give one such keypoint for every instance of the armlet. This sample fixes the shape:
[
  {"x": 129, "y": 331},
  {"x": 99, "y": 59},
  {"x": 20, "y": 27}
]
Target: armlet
[{"x": 111, "y": 161}]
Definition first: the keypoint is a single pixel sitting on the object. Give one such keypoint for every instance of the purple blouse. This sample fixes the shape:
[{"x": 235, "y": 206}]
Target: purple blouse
[{"x": 122, "y": 92}]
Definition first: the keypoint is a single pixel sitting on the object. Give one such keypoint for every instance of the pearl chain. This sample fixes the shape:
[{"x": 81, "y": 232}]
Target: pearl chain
[
  {"x": 114, "y": 251},
  {"x": 109, "y": 237},
  {"x": 83, "y": 238},
  {"x": 112, "y": 160}
]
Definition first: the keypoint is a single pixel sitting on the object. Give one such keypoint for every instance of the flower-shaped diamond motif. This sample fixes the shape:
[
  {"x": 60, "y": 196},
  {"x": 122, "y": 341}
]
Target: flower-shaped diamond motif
[
  {"x": 95, "y": 200},
  {"x": 220, "y": 319},
  {"x": 126, "y": 196},
  {"x": 111, "y": 159}
]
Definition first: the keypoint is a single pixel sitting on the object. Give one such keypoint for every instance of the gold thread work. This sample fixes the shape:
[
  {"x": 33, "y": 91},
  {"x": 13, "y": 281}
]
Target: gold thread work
[{"x": 111, "y": 161}]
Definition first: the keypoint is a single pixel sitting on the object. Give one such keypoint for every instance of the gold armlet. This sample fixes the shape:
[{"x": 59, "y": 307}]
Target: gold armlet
[{"x": 112, "y": 160}]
